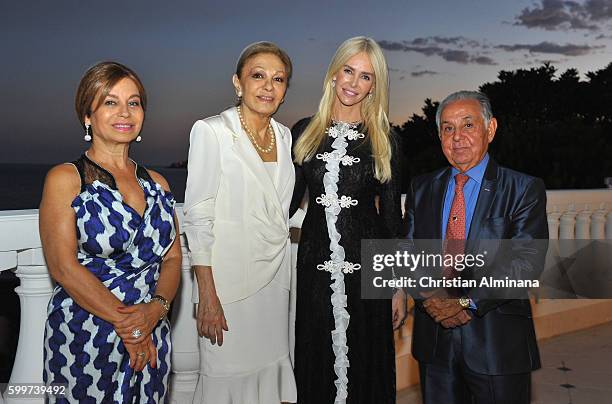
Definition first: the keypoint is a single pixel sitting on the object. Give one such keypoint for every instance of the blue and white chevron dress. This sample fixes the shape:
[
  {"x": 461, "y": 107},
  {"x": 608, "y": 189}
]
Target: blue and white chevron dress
[{"x": 124, "y": 251}]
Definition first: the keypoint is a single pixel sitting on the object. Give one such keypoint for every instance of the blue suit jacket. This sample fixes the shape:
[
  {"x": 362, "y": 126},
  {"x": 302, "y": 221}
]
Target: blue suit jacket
[{"x": 500, "y": 339}]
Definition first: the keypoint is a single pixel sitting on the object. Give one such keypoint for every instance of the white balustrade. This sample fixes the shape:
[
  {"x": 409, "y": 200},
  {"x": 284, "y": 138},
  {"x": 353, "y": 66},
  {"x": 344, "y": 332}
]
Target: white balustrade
[
  {"x": 569, "y": 216},
  {"x": 185, "y": 348},
  {"x": 567, "y": 224},
  {"x": 34, "y": 293},
  {"x": 598, "y": 223},
  {"x": 553, "y": 224},
  {"x": 20, "y": 246},
  {"x": 583, "y": 224}
]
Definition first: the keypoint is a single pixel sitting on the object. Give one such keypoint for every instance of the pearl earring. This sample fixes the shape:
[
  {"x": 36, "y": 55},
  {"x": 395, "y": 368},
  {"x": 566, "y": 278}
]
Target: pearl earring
[
  {"x": 87, "y": 136},
  {"x": 138, "y": 139}
]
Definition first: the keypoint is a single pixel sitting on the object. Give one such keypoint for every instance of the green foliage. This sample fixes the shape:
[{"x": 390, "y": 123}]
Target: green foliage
[{"x": 556, "y": 127}]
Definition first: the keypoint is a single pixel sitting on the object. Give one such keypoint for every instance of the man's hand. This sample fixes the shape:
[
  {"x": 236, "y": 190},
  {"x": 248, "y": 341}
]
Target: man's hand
[
  {"x": 459, "y": 319},
  {"x": 440, "y": 307},
  {"x": 398, "y": 307}
]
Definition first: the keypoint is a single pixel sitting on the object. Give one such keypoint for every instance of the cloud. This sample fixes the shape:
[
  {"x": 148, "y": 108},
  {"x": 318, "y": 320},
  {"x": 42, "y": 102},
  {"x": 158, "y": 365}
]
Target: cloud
[
  {"x": 431, "y": 47},
  {"x": 459, "y": 41},
  {"x": 550, "y": 47},
  {"x": 452, "y": 55},
  {"x": 484, "y": 60},
  {"x": 552, "y": 15},
  {"x": 599, "y": 10},
  {"x": 424, "y": 73}
]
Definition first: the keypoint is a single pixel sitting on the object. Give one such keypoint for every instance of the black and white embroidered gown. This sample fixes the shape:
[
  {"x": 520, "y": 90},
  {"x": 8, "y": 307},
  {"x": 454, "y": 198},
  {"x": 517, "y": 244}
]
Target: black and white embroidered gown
[{"x": 344, "y": 349}]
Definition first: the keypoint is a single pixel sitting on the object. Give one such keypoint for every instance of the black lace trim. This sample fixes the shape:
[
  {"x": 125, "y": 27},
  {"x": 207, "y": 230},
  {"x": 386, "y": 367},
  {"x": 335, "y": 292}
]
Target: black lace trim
[{"x": 89, "y": 172}]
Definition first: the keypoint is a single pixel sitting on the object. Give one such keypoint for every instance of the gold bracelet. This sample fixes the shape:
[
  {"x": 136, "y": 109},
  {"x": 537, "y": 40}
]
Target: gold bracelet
[{"x": 165, "y": 304}]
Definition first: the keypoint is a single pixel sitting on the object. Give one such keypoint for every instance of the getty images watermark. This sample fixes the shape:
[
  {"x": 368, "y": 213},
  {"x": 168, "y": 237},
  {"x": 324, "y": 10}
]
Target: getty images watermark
[{"x": 492, "y": 269}]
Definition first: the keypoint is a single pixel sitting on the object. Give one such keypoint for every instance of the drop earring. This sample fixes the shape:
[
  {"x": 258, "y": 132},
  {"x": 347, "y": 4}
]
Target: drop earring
[
  {"x": 333, "y": 83},
  {"x": 87, "y": 136}
]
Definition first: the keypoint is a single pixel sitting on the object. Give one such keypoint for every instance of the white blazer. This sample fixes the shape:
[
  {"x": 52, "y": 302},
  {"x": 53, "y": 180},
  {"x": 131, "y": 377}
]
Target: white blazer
[{"x": 236, "y": 216}]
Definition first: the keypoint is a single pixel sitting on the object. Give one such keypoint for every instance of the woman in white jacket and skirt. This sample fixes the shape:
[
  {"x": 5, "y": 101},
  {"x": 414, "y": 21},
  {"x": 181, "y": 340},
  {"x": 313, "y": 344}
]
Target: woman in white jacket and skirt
[{"x": 239, "y": 186}]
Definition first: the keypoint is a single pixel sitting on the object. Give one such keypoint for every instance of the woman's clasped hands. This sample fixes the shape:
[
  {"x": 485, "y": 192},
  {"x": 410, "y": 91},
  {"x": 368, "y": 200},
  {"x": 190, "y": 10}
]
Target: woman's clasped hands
[{"x": 134, "y": 328}]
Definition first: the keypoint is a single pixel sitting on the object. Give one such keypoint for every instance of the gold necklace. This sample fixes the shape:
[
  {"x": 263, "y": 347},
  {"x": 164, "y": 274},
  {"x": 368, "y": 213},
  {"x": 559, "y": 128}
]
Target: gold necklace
[{"x": 252, "y": 137}]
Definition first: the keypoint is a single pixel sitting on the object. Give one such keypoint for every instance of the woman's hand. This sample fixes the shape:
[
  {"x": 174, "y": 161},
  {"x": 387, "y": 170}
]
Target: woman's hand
[
  {"x": 143, "y": 317},
  {"x": 211, "y": 319},
  {"x": 398, "y": 307},
  {"x": 141, "y": 354}
]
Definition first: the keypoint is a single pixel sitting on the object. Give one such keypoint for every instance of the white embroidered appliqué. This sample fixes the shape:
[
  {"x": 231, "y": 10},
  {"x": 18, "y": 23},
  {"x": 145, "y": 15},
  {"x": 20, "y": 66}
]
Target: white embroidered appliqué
[
  {"x": 344, "y": 130},
  {"x": 344, "y": 266},
  {"x": 345, "y": 160},
  {"x": 332, "y": 200},
  {"x": 337, "y": 266}
]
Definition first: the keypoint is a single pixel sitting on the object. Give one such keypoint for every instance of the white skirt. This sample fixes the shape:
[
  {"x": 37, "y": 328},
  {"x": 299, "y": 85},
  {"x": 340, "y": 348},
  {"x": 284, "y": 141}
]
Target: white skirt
[{"x": 253, "y": 365}]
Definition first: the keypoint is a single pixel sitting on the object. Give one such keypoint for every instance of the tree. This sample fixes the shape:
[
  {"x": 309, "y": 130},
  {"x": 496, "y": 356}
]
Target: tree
[{"x": 555, "y": 127}]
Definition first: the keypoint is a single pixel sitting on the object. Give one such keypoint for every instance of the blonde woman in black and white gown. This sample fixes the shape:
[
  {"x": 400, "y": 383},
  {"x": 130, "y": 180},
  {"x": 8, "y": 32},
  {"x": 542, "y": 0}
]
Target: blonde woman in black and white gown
[{"x": 347, "y": 159}]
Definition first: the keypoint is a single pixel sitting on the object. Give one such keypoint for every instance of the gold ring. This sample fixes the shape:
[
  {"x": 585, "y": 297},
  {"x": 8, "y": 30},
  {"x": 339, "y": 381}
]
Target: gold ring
[{"x": 141, "y": 354}]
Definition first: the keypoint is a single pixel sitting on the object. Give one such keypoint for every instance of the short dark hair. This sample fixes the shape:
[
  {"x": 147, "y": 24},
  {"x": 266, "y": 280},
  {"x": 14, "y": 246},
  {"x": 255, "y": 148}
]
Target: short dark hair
[
  {"x": 99, "y": 80},
  {"x": 264, "y": 47}
]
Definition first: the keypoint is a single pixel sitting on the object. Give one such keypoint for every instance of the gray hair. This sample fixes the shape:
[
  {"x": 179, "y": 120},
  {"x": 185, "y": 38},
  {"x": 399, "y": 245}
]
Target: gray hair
[{"x": 483, "y": 100}]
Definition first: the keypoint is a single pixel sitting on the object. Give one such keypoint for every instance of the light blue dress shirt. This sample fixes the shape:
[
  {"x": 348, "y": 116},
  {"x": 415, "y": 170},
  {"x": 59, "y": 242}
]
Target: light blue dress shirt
[{"x": 471, "y": 189}]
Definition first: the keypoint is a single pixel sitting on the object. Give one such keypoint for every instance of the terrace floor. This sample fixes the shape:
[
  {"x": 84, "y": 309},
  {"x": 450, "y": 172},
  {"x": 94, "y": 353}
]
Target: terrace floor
[{"x": 576, "y": 369}]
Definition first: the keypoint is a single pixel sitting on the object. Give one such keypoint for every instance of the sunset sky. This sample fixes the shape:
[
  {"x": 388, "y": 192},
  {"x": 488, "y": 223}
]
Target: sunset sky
[{"x": 185, "y": 52}]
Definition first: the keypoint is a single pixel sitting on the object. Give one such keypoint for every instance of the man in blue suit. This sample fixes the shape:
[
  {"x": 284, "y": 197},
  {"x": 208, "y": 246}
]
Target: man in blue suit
[{"x": 473, "y": 347}]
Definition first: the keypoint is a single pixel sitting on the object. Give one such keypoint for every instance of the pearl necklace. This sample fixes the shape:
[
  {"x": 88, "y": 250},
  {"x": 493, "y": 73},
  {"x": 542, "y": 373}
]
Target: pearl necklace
[{"x": 270, "y": 147}]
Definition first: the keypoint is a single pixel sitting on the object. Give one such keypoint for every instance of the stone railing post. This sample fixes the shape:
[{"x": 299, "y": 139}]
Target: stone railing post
[
  {"x": 598, "y": 223},
  {"x": 583, "y": 224},
  {"x": 567, "y": 224},
  {"x": 34, "y": 293},
  {"x": 553, "y": 223},
  {"x": 185, "y": 344},
  {"x": 8, "y": 260}
]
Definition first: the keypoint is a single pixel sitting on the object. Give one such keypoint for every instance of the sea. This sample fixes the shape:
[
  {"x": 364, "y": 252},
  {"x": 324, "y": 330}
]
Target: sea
[{"x": 21, "y": 185}]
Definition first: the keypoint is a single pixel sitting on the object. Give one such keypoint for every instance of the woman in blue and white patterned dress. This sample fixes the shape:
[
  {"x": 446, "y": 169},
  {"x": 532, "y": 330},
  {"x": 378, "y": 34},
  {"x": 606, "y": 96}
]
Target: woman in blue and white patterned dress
[{"x": 106, "y": 335}]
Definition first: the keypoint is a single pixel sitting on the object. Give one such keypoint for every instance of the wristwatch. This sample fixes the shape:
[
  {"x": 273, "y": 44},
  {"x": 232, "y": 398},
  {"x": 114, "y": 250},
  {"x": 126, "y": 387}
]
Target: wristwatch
[
  {"x": 464, "y": 302},
  {"x": 164, "y": 303}
]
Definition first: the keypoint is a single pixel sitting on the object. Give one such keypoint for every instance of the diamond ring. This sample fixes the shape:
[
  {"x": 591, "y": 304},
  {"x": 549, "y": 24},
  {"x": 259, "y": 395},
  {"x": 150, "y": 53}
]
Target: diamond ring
[{"x": 136, "y": 333}]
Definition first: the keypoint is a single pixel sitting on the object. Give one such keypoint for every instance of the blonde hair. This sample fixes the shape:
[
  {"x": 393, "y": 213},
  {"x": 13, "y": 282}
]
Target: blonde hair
[{"x": 374, "y": 109}]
